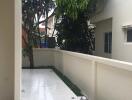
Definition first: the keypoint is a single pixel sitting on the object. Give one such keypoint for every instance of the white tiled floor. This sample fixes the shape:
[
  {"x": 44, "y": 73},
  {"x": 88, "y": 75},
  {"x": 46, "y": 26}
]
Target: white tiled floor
[{"x": 44, "y": 84}]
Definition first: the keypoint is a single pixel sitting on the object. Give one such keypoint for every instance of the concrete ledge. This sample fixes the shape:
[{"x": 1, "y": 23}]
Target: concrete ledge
[{"x": 98, "y": 78}]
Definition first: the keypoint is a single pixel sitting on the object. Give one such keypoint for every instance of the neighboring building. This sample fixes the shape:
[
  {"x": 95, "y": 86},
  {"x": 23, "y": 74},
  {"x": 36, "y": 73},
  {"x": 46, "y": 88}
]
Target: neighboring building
[
  {"x": 51, "y": 23},
  {"x": 50, "y": 26},
  {"x": 41, "y": 29},
  {"x": 114, "y": 30}
]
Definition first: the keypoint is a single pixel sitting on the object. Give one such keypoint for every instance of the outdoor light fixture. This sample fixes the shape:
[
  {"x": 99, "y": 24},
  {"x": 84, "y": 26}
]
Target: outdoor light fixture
[{"x": 127, "y": 26}]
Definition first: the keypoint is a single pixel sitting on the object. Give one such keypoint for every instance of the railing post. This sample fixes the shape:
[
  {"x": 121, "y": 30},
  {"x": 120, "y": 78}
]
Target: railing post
[{"x": 94, "y": 68}]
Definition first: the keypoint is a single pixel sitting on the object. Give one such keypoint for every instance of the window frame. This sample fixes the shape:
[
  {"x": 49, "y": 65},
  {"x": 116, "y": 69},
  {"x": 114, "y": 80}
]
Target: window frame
[
  {"x": 125, "y": 30},
  {"x": 108, "y": 42},
  {"x": 127, "y": 40}
]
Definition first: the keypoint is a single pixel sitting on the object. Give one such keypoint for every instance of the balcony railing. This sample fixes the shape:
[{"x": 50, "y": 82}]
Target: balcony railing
[{"x": 98, "y": 78}]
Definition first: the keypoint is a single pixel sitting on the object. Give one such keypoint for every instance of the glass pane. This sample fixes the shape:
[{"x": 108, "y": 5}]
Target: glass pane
[
  {"x": 106, "y": 48},
  {"x": 106, "y": 42},
  {"x": 110, "y": 42},
  {"x": 129, "y": 35}
]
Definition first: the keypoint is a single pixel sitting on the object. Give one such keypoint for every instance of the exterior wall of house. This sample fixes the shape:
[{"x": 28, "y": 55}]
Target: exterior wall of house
[
  {"x": 101, "y": 28},
  {"x": 17, "y": 48},
  {"x": 120, "y": 12},
  {"x": 10, "y": 49},
  {"x": 7, "y": 50}
]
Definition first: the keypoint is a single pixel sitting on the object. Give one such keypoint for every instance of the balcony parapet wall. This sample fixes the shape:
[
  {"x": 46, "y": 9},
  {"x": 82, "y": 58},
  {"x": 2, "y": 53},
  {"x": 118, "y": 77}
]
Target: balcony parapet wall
[{"x": 98, "y": 78}]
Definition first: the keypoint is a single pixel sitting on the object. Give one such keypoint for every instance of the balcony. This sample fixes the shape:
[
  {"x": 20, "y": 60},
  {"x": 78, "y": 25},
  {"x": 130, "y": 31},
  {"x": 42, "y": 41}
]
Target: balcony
[{"x": 98, "y": 78}]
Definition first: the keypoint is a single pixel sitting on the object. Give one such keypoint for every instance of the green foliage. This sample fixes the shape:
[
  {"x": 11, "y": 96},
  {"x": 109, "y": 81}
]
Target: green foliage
[
  {"x": 72, "y": 8},
  {"x": 74, "y": 33},
  {"x": 30, "y": 23},
  {"x": 31, "y": 9}
]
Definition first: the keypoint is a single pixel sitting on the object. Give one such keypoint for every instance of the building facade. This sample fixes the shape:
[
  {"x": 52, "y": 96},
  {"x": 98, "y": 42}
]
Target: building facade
[{"x": 114, "y": 30}]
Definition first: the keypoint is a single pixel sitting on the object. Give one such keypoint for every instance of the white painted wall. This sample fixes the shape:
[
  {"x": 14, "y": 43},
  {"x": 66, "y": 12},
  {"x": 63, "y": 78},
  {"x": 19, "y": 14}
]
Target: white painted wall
[
  {"x": 119, "y": 11},
  {"x": 18, "y": 49},
  {"x": 98, "y": 78},
  {"x": 101, "y": 28},
  {"x": 10, "y": 50},
  {"x": 25, "y": 61},
  {"x": 42, "y": 57},
  {"x": 7, "y": 50}
]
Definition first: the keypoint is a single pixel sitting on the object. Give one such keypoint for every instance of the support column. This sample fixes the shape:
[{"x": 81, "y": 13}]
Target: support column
[{"x": 10, "y": 49}]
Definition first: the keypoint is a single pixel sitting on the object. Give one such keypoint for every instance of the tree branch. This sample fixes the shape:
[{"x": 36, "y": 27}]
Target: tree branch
[{"x": 48, "y": 17}]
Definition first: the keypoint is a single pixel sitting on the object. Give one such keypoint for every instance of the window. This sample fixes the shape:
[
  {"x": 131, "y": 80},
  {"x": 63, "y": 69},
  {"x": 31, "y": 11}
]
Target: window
[
  {"x": 129, "y": 35},
  {"x": 108, "y": 42}
]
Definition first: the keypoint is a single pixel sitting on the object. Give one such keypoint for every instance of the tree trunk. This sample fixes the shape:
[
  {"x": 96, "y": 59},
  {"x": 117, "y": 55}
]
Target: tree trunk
[
  {"x": 46, "y": 22},
  {"x": 46, "y": 27},
  {"x": 39, "y": 32},
  {"x": 31, "y": 59}
]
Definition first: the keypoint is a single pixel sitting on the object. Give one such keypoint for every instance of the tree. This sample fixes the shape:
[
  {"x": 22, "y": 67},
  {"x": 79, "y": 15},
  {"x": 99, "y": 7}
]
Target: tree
[
  {"x": 72, "y": 8},
  {"x": 32, "y": 11},
  {"x": 74, "y": 33}
]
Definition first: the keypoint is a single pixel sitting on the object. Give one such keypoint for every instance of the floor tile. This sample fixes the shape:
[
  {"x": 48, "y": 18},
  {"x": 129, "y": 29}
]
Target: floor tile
[{"x": 44, "y": 84}]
